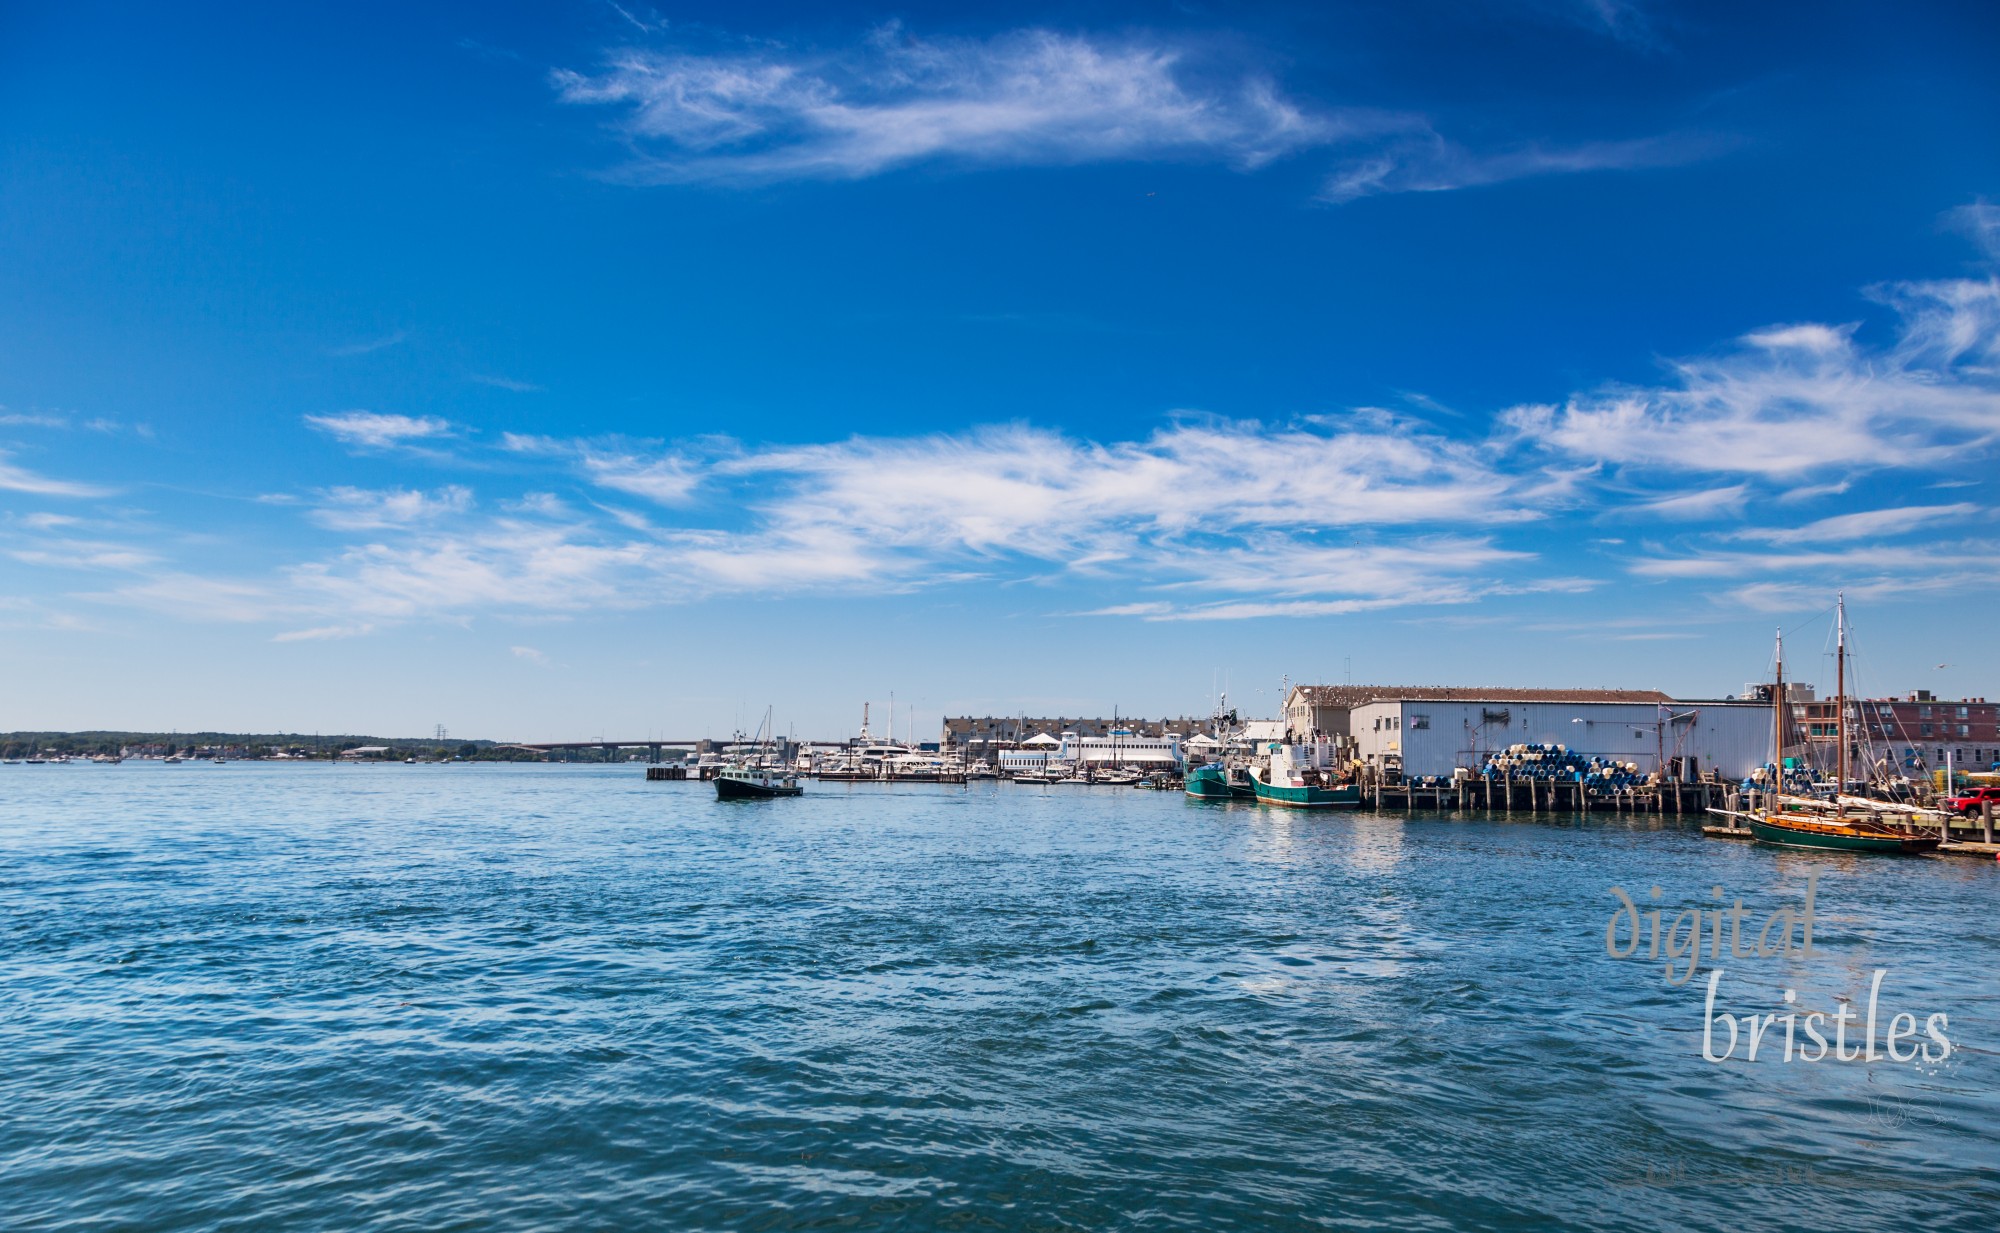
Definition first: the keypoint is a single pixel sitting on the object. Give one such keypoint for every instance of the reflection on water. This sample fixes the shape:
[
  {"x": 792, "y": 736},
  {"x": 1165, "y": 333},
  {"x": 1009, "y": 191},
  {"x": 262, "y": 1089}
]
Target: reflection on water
[{"x": 1374, "y": 845}]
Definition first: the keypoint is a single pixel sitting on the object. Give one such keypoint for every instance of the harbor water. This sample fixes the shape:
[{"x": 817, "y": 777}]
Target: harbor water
[{"x": 495, "y": 997}]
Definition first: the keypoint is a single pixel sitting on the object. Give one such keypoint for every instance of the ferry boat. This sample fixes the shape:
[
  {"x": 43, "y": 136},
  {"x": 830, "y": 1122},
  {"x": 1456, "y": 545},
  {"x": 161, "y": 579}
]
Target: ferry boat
[{"x": 1301, "y": 777}]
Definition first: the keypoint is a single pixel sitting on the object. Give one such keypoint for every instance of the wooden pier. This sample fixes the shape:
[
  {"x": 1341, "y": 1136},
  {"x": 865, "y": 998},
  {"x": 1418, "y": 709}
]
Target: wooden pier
[{"x": 1509, "y": 794}]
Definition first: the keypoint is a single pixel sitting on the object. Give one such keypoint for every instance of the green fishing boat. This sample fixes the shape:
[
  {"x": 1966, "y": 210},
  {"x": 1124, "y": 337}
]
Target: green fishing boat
[
  {"x": 1218, "y": 783},
  {"x": 1301, "y": 777},
  {"x": 1308, "y": 796}
]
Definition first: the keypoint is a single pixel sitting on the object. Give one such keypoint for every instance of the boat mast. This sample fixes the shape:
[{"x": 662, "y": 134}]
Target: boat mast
[
  {"x": 1778, "y": 719},
  {"x": 1840, "y": 699}
]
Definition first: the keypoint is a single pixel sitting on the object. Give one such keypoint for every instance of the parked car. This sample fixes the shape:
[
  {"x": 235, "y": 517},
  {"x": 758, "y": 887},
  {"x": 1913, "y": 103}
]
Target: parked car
[{"x": 1969, "y": 802}]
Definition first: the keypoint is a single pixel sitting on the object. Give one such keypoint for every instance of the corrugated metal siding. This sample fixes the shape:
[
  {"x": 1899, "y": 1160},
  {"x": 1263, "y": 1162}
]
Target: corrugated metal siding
[{"x": 1731, "y": 739}]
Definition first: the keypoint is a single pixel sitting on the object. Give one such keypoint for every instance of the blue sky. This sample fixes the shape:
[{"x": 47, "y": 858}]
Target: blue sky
[{"x": 579, "y": 370}]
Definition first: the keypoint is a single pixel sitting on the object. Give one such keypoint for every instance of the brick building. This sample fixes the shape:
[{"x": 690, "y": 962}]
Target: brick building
[{"x": 1914, "y": 732}]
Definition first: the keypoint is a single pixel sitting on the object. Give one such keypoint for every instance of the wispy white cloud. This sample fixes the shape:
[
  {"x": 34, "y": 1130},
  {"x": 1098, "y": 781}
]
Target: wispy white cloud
[
  {"x": 1803, "y": 400},
  {"x": 1428, "y": 163},
  {"x": 528, "y": 653},
  {"x": 508, "y": 567},
  {"x": 1979, "y": 221},
  {"x": 30, "y": 419},
  {"x": 365, "y": 346},
  {"x": 195, "y": 597},
  {"x": 83, "y": 554},
  {"x": 1039, "y": 493},
  {"x": 1706, "y": 503},
  {"x": 1037, "y": 97},
  {"x": 1864, "y": 524},
  {"x": 361, "y": 509},
  {"x": 1297, "y": 576},
  {"x": 505, "y": 383},
  {"x": 375, "y": 430},
  {"x": 538, "y": 504},
  {"x": 1622, "y": 19},
  {"x": 1024, "y": 98},
  {"x": 322, "y": 633},
  {"x": 667, "y": 481},
  {"x": 640, "y": 469},
  {"x": 19, "y": 479}
]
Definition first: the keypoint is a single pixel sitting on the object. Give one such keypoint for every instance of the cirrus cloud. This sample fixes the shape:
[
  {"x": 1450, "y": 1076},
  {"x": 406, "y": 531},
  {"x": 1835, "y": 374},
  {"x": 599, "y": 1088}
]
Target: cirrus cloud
[
  {"x": 1801, "y": 400},
  {"x": 375, "y": 430},
  {"x": 1029, "y": 97}
]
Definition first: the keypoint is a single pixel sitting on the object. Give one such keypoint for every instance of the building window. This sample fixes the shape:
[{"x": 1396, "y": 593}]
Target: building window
[
  {"x": 1924, "y": 730},
  {"x": 1420, "y": 721},
  {"x": 1923, "y": 712}
]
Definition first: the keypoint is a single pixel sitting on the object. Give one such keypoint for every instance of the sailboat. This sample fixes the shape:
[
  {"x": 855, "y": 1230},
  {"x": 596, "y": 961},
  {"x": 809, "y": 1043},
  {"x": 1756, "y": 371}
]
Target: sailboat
[{"x": 1806, "y": 823}]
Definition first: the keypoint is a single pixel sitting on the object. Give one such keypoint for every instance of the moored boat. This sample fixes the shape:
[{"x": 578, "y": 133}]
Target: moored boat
[
  {"x": 1842, "y": 835},
  {"x": 1302, "y": 777},
  {"x": 1307, "y": 796},
  {"x": 1216, "y": 782},
  {"x": 1208, "y": 783},
  {"x": 1825, "y": 825}
]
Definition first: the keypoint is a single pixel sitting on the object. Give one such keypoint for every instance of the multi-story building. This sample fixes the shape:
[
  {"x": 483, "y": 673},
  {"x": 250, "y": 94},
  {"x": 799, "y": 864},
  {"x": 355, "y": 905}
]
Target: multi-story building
[{"x": 1914, "y": 732}]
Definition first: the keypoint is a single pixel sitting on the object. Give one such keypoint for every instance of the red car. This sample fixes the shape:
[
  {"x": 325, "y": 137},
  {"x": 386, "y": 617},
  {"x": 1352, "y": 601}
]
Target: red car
[{"x": 1969, "y": 802}]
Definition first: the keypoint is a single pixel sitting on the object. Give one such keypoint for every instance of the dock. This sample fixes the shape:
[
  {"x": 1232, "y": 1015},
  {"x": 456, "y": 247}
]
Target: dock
[{"x": 1509, "y": 794}]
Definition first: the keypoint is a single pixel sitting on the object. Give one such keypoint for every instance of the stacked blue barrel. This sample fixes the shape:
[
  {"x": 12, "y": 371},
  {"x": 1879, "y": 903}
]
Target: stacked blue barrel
[{"x": 1599, "y": 776}]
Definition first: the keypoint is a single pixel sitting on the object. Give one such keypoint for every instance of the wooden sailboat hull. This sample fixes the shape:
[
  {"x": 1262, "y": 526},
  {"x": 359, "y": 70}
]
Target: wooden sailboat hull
[{"x": 1829, "y": 836}]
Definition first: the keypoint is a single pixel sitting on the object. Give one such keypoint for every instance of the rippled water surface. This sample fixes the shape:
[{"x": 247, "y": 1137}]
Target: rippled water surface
[{"x": 509, "y": 998}]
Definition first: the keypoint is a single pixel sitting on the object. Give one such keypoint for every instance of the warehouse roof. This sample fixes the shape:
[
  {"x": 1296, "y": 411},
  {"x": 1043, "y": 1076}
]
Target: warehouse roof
[{"x": 1351, "y": 696}]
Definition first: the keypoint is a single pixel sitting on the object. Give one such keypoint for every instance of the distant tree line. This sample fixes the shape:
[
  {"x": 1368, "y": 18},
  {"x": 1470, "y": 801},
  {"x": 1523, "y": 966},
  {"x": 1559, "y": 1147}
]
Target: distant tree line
[
  {"x": 238, "y": 745},
  {"x": 18, "y": 745}
]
